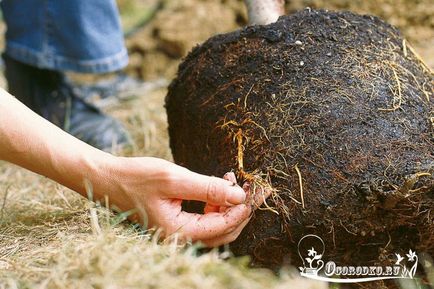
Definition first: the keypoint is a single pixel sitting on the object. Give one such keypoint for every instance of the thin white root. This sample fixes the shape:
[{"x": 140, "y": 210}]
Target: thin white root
[{"x": 300, "y": 183}]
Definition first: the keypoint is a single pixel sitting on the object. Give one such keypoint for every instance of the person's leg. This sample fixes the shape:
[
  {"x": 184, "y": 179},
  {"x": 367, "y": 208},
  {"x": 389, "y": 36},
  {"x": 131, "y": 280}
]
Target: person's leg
[
  {"x": 46, "y": 37},
  {"x": 50, "y": 95}
]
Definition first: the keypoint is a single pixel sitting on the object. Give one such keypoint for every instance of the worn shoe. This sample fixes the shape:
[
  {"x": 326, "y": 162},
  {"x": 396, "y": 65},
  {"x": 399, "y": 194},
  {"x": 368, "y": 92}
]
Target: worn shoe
[{"x": 49, "y": 94}]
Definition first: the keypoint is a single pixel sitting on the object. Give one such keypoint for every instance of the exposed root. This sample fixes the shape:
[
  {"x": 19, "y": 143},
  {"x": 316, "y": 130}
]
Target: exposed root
[
  {"x": 211, "y": 98},
  {"x": 259, "y": 188},
  {"x": 397, "y": 98},
  {"x": 247, "y": 95},
  {"x": 240, "y": 150},
  {"x": 403, "y": 192},
  {"x": 411, "y": 181},
  {"x": 300, "y": 183},
  {"x": 420, "y": 59}
]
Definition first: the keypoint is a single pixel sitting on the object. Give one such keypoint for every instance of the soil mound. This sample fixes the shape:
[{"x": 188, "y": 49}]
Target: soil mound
[{"x": 333, "y": 111}]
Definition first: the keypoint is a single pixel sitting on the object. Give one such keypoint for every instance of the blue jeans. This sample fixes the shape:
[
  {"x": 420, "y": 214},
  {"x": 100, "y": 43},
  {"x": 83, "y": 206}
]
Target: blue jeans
[{"x": 75, "y": 35}]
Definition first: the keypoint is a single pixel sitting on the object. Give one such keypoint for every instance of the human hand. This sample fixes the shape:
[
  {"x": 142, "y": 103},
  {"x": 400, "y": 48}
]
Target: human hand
[
  {"x": 157, "y": 188},
  {"x": 153, "y": 186}
]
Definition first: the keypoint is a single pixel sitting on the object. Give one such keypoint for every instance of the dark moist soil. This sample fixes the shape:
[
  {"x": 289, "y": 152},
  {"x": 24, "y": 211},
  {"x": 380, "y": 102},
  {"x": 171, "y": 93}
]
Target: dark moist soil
[{"x": 336, "y": 99}]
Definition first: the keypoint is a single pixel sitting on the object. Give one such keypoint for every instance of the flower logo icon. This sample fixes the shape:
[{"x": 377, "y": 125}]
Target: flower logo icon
[
  {"x": 312, "y": 263},
  {"x": 411, "y": 257}
]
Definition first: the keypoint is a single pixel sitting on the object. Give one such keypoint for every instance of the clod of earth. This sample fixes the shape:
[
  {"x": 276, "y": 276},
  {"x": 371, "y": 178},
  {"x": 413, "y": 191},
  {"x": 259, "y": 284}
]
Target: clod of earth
[{"x": 334, "y": 112}]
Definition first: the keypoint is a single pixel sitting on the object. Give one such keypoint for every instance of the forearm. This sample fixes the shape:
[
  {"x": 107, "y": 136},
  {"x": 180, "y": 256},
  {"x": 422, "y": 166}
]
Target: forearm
[
  {"x": 32, "y": 142},
  {"x": 153, "y": 186}
]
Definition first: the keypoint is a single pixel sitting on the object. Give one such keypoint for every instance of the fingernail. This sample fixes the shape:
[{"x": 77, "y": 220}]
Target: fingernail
[
  {"x": 246, "y": 187},
  {"x": 237, "y": 196},
  {"x": 230, "y": 176}
]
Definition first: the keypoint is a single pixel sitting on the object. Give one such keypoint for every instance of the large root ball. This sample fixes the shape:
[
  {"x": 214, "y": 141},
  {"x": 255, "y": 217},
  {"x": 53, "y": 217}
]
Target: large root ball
[{"x": 333, "y": 111}]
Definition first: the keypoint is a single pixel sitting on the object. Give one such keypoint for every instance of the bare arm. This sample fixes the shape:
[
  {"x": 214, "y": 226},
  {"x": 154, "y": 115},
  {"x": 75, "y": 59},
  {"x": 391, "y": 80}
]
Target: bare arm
[
  {"x": 32, "y": 142},
  {"x": 150, "y": 185}
]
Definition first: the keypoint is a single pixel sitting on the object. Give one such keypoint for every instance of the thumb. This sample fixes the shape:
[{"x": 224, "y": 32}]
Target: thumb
[{"x": 211, "y": 190}]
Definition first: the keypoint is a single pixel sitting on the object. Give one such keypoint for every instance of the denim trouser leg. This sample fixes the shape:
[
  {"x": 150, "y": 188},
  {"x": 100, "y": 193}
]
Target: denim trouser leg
[{"x": 76, "y": 35}]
